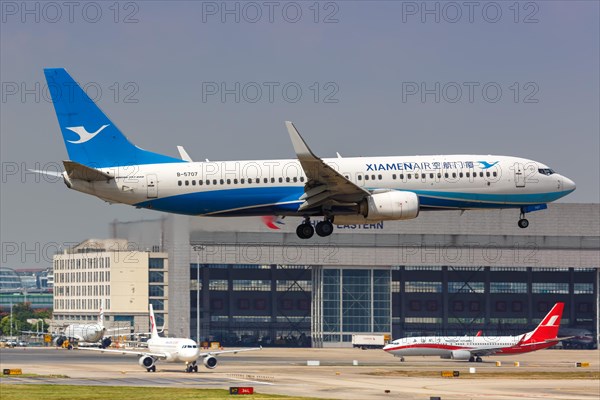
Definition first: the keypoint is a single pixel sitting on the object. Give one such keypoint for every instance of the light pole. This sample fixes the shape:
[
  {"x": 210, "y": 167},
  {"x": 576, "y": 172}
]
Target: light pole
[{"x": 198, "y": 249}]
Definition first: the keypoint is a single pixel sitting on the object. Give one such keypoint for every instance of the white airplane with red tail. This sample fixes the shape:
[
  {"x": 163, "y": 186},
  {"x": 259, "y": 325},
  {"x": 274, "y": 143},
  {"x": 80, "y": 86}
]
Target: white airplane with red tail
[{"x": 472, "y": 348}]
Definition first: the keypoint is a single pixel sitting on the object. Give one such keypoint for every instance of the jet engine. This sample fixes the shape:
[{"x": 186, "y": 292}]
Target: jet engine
[
  {"x": 383, "y": 206},
  {"x": 210, "y": 362},
  {"x": 390, "y": 205},
  {"x": 146, "y": 362},
  {"x": 460, "y": 355}
]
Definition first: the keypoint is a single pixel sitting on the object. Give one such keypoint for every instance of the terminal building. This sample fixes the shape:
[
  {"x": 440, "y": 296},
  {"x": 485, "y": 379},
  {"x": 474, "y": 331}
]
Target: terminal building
[{"x": 251, "y": 280}]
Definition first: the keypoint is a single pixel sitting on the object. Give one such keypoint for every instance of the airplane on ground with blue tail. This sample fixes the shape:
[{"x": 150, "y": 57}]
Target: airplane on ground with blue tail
[{"x": 345, "y": 190}]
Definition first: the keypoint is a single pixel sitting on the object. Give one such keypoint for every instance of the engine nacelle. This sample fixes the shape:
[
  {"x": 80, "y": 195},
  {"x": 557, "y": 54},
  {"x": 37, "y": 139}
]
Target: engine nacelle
[
  {"x": 146, "y": 362},
  {"x": 210, "y": 362},
  {"x": 390, "y": 205},
  {"x": 460, "y": 355}
]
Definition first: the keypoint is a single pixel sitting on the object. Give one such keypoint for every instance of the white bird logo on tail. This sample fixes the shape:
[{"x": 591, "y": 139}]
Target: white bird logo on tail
[{"x": 84, "y": 135}]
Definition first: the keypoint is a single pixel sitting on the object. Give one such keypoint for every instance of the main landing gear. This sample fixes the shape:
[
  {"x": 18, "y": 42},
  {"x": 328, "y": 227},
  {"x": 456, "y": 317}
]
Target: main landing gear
[
  {"x": 475, "y": 359},
  {"x": 191, "y": 367},
  {"x": 323, "y": 228}
]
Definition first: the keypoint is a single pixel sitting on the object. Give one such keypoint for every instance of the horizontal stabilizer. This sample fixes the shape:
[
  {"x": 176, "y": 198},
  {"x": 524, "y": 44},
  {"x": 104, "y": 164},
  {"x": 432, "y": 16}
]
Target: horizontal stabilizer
[{"x": 84, "y": 173}]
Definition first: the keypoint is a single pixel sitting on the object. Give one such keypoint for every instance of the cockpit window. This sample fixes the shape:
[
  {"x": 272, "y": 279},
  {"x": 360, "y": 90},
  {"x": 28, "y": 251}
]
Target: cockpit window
[{"x": 545, "y": 171}]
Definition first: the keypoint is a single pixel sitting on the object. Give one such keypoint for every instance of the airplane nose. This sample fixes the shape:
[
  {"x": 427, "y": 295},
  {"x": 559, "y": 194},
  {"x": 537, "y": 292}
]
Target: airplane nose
[{"x": 568, "y": 184}]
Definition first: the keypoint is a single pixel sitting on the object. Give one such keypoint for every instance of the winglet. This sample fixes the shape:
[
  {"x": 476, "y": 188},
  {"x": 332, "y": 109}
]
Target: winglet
[
  {"x": 183, "y": 154},
  {"x": 300, "y": 147}
]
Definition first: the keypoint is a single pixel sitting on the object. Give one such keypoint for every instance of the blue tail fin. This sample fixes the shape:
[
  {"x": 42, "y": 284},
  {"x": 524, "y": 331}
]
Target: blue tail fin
[{"x": 90, "y": 136}]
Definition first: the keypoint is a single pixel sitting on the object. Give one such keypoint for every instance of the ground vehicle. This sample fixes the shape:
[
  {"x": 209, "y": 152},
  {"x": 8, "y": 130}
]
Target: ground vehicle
[{"x": 370, "y": 340}]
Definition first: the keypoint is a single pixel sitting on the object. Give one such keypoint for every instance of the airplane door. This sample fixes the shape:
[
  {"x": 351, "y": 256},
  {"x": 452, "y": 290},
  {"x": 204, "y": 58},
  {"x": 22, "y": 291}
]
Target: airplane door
[
  {"x": 152, "y": 186},
  {"x": 519, "y": 175}
]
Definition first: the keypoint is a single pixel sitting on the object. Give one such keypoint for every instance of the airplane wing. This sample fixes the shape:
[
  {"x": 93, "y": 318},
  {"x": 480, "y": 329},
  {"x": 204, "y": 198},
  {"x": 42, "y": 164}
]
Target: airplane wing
[
  {"x": 126, "y": 352},
  {"x": 217, "y": 352},
  {"x": 325, "y": 185}
]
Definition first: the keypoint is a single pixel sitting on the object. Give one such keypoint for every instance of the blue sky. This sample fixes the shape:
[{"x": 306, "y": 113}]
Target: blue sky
[{"x": 353, "y": 67}]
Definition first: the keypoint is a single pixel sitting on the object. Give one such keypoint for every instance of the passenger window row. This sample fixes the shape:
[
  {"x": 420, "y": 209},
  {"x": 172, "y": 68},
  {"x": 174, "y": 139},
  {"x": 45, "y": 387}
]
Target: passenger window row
[
  {"x": 416, "y": 175},
  {"x": 236, "y": 181}
]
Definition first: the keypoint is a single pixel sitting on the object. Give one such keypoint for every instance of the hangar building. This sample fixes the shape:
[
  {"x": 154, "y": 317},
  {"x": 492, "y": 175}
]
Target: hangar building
[{"x": 251, "y": 280}]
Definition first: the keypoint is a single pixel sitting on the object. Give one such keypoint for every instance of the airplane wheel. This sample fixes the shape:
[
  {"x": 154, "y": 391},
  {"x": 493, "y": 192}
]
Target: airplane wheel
[
  {"x": 402, "y": 359},
  {"x": 478, "y": 359},
  {"x": 324, "y": 228},
  {"x": 195, "y": 368},
  {"x": 154, "y": 368},
  {"x": 471, "y": 359},
  {"x": 305, "y": 231},
  {"x": 523, "y": 223}
]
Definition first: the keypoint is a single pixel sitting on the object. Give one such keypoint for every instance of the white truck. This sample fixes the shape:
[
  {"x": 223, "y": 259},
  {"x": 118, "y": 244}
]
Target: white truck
[{"x": 370, "y": 340}]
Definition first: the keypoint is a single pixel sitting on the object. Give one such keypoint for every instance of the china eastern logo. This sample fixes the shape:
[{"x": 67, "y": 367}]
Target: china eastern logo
[{"x": 84, "y": 135}]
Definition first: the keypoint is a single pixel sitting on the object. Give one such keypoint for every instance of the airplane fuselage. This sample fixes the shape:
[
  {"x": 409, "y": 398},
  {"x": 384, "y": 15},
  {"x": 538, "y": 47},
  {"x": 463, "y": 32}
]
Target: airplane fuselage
[
  {"x": 175, "y": 349},
  {"x": 449, "y": 347},
  {"x": 275, "y": 187}
]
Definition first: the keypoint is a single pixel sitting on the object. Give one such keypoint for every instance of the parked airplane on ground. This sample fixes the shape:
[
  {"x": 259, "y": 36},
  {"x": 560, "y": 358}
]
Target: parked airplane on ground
[
  {"x": 354, "y": 190},
  {"x": 173, "y": 350},
  {"x": 85, "y": 333},
  {"x": 472, "y": 348}
]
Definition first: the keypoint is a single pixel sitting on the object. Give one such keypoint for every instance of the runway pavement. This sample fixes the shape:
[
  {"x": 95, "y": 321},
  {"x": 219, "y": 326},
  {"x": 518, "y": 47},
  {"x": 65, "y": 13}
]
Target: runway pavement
[{"x": 284, "y": 371}]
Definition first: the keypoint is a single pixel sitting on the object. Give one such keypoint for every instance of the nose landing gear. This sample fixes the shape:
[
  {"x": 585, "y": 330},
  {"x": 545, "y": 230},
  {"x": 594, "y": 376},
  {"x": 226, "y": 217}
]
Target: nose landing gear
[{"x": 523, "y": 222}]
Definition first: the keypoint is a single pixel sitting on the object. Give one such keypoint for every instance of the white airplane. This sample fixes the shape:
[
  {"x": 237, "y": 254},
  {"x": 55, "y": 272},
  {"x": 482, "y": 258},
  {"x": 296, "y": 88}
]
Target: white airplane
[
  {"x": 105, "y": 164},
  {"x": 175, "y": 350},
  {"x": 95, "y": 333},
  {"x": 472, "y": 348}
]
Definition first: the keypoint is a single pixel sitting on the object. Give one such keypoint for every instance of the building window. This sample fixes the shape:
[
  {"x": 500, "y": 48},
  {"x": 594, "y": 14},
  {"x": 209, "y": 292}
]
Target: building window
[
  {"x": 508, "y": 287},
  {"x": 157, "y": 304},
  {"x": 465, "y": 287},
  {"x": 218, "y": 284},
  {"x": 550, "y": 287},
  {"x": 156, "y": 277},
  {"x": 583, "y": 288},
  {"x": 501, "y": 306},
  {"x": 422, "y": 287},
  {"x": 293, "y": 286},
  {"x": 252, "y": 285},
  {"x": 156, "y": 291},
  {"x": 156, "y": 263}
]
